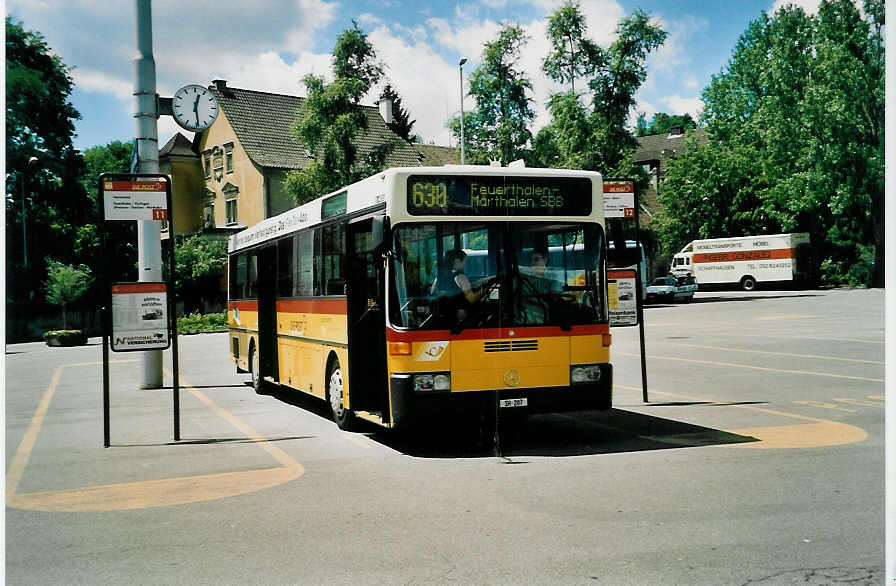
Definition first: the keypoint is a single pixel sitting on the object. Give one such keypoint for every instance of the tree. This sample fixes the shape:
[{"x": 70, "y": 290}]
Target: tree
[
  {"x": 45, "y": 201},
  {"x": 498, "y": 129},
  {"x": 331, "y": 120},
  {"x": 402, "y": 125},
  {"x": 114, "y": 157},
  {"x": 598, "y": 138},
  {"x": 574, "y": 55},
  {"x": 66, "y": 284},
  {"x": 613, "y": 91},
  {"x": 200, "y": 263},
  {"x": 662, "y": 123},
  {"x": 801, "y": 104}
]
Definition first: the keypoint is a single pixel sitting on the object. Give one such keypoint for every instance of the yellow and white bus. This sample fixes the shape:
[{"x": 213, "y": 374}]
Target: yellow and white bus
[{"x": 430, "y": 290}]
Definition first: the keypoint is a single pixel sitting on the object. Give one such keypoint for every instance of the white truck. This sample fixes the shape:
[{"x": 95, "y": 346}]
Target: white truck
[{"x": 747, "y": 260}]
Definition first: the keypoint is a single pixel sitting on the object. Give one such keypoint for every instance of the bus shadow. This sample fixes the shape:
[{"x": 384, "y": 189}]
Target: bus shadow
[
  {"x": 722, "y": 298},
  {"x": 557, "y": 435}
]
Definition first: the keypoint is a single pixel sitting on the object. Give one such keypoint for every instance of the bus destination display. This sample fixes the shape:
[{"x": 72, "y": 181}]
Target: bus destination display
[{"x": 430, "y": 195}]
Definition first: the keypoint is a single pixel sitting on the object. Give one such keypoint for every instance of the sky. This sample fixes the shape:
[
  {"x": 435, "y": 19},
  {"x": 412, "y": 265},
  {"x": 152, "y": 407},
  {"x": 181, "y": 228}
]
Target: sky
[{"x": 270, "y": 45}]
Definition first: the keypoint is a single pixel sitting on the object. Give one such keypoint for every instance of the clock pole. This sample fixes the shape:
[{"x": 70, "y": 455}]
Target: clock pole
[{"x": 149, "y": 240}]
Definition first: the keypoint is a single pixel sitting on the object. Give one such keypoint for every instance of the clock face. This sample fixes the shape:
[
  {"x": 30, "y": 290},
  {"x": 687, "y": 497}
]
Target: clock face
[{"x": 194, "y": 107}]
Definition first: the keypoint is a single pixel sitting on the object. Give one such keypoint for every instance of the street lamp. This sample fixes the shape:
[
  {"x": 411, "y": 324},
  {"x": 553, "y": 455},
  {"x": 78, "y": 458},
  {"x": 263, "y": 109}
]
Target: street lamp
[
  {"x": 32, "y": 162},
  {"x": 461, "y": 67}
]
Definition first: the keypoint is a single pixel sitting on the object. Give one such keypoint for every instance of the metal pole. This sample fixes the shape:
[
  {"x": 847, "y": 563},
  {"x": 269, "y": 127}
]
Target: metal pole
[
  {"x": 24, "y": 225},
  {"x": 149, "y": 243},
  {"x": 639, "y": 306},
  {"x": 461, "y": 67}
]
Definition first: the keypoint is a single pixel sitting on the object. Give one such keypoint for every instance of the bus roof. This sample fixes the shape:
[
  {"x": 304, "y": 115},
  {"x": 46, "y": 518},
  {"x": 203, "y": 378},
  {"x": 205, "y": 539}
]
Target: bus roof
[{"x": 387, "y": 191}]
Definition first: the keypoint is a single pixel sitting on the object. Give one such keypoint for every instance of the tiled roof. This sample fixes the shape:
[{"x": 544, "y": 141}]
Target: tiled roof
[
  {"x": 656, "y": 147},
  {"x": 435, "y": 156},
  {"x": 263, "y": 123},
  {"x": 179, "y": 146}
]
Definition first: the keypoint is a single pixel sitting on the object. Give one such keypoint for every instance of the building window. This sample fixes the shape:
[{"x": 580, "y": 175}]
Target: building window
[
  {"x": 228, "y": 158},
  {"x": 208, "y": 215},
  {"x": 207, "y": 163},
  {"x": 218, "y": 163},
  {"x": 231, "y": 211}
]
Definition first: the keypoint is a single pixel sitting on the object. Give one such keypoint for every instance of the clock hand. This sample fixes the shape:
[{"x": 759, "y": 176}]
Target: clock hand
[{"x": 196, "y": 110}]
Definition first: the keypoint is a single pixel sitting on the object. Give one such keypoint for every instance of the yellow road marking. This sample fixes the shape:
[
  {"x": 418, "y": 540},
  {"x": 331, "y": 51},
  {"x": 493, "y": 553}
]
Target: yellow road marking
[
  {"x": 151, "y": 493},
  {"x": 817, "y": 433},
  {"x": 763, "y": 368},
  {"x": 813, "y": 356}
]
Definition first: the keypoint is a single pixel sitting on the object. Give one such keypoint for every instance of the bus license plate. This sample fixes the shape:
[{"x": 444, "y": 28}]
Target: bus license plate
[{"x": 514, "y": 402}]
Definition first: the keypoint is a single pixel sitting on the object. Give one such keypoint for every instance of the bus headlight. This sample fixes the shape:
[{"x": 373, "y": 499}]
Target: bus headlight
[
  {"x": 432, "y": 382},
  {"x": 584, "y": 373}
]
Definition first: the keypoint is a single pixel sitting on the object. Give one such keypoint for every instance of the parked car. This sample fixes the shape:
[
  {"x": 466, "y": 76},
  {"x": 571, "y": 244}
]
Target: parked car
[{"x": 669, "y": 289}]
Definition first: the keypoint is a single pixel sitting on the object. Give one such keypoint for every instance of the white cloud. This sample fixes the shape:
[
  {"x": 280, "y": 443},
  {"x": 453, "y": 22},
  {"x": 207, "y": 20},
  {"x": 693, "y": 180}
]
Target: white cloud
[
  {"x": 97, "y": 81},
  {"x": 676, "y": 104},
  {"x": 673, "y": 54},
  {"x": 808, "y": 6}
]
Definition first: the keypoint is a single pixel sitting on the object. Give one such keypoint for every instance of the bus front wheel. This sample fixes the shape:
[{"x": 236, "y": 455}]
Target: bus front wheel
[
  {"x": 335, "y": 397},
  {"x": 748, "y": 283}
]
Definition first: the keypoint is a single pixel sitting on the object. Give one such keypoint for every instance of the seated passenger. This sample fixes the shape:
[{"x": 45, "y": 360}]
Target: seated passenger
[
  {"x": 453, "y": 283},
  {"x": 537, "y": 290}
]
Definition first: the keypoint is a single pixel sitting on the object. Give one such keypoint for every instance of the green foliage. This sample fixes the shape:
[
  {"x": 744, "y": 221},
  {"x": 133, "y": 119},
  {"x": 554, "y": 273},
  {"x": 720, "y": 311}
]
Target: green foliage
[
  {"x": 662, "y": 123},
  {"x": 200, "y": 263},
  {"x": 599, "y": 138},
  {"x": 573, "y": 55},
  {"x": 65, "y": 338},
  {"x": 331, "y": 119},
  {"x": 196, "y": 323},
  {"x": 498, "y": 129},
  {"x": 66, "y": 284},
  {"x": 45, "y": 200},
  {"x": 402, "y": 125},
  {"x": 114, "y": 157},
  {"x": 796, "y": 141}
]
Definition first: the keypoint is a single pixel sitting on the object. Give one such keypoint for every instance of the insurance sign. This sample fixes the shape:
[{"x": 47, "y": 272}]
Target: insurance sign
[
  {"x": 139, "y": 317},
  {"x": 136, "y": 198}
]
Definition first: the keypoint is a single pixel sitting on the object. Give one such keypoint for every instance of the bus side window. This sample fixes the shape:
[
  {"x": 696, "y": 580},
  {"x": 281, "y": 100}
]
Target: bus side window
[
  {"x": 333, "y": 246},
  {"x": 285, "y": 268},
  {"x": 251, "y": 288},
  {"x": 305, "y": 264},
  {"x": 238, "y": 276}
]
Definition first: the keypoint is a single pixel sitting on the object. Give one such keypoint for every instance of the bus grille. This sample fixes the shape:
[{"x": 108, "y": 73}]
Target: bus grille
[{"x": 511, "y": 345}]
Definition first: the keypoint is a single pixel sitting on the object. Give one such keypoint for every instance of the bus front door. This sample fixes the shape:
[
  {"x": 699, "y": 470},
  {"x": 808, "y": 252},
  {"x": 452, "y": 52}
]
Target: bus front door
[
  {"x": 367, "y": 324},
  {"x": 267, "y": 313}
]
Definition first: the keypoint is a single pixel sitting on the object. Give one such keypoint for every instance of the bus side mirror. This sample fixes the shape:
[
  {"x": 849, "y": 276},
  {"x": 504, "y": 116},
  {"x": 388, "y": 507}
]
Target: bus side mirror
[{"x": 379, "y": 231}]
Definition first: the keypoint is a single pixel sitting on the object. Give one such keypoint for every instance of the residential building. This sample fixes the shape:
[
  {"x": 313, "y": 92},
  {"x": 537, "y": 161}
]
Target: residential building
[
  {"x": 653, "y": 154},
  {"x": 232, "y": 175}
]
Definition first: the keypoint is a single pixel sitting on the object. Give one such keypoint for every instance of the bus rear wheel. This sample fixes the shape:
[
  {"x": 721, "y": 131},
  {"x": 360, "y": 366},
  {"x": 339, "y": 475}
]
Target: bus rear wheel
[
  {"x": 335, "y": 397},
  {"x": 748, "y": 283}
]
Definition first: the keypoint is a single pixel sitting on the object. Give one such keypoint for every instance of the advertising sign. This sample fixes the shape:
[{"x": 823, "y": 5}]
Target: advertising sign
[
  {"x": 139, "y": 317},
  {"x": 619, "y": 199},
  {"x": 623, "y": 297},
  {"x": 135, "y": 199}
]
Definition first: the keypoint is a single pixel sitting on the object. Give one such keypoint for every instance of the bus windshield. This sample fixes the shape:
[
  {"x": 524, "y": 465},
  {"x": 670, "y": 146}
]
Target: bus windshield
[{"x": 458, "y": 275}]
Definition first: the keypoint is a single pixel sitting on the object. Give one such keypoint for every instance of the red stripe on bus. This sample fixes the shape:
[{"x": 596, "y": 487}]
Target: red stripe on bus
[
  {"x": 333, "y": 306},
  {"x": 243, "y": 305},
  {"x": 744, "y": 255},
  {"x": 139, "y": 288},
  {"x": 496, "y": 333}
]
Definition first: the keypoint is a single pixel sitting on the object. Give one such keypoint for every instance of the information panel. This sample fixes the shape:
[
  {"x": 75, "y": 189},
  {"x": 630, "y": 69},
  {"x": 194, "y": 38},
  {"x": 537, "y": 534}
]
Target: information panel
[
  {"x": 135, "y": 199},
  {"x": 619, "y": 199},
  {"x": 139, "y": 317},
  {"x": 466, "y": 195},
  {"x": 622, "y": 297}
]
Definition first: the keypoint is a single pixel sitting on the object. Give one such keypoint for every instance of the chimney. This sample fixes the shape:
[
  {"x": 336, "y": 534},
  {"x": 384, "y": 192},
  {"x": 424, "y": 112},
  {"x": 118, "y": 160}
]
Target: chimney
[
  {"x": 221, "y": 86},
  {"x": 385, "y": 105}
]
